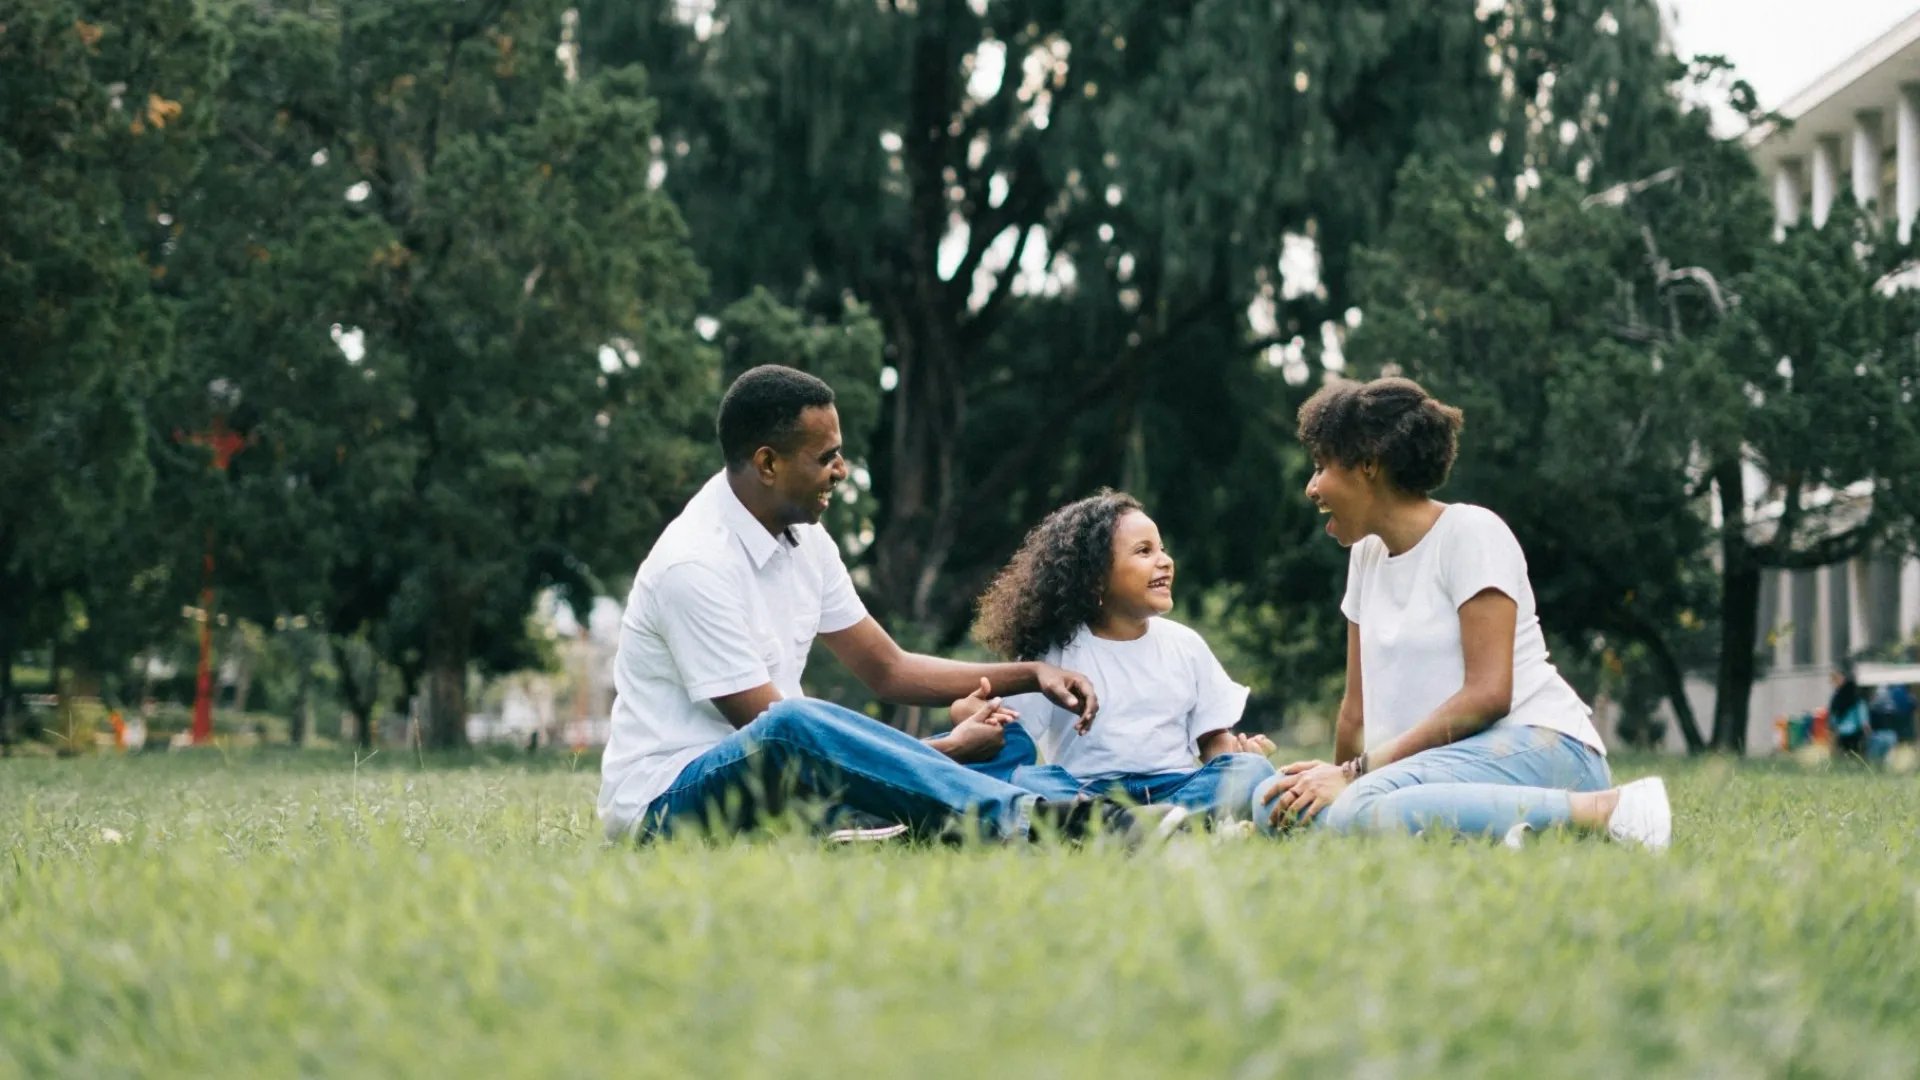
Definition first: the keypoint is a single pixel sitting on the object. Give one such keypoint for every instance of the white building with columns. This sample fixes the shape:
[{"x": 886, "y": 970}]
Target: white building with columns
[{"x": 1858, "y": 125}]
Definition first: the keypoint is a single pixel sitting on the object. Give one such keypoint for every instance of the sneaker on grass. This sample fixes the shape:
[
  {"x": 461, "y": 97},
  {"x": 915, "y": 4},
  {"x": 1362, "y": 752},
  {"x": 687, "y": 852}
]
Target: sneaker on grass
[
  {"x": 877, "y": 834},
  {"x": 1643, "y": 816},
  {"x": 1082, "y": 819}
]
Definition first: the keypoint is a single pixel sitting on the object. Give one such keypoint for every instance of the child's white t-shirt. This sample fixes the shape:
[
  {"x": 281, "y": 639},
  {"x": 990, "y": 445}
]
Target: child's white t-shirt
[
  {"x": 1158, "y": 694},
  {"x": 1408, "y": 610}
]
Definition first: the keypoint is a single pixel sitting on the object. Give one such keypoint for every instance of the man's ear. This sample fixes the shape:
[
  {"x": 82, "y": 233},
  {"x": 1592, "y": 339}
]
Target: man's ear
[{"x": 763, "y": 463}]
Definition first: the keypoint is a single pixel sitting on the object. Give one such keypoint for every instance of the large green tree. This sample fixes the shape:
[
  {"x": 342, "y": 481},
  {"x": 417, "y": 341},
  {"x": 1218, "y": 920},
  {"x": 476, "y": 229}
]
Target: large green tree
[
  {"x": 1056, "y": 210},
  {"x": 1661, "y": 398},
  {"x": 106, "y": 107},
  {"x": 1816, "y": 459},
  {"x": 1069, "y": 217},
  {"x": 1580, "y": 440},
  {"x": 440, "y": 299}
]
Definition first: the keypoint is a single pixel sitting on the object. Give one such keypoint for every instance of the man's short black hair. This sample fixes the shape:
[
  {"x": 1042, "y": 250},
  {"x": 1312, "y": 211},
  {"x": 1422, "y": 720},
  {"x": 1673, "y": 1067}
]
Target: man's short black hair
[{"x": 763, "y": 407}]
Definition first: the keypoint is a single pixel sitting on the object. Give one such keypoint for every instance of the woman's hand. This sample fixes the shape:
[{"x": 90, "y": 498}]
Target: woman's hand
[{"x": 1305, "y": 789}]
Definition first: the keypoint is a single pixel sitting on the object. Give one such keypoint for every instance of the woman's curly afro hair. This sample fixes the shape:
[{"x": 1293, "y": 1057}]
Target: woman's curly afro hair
[
  {"x": 1392, "y": 421},
  {"x": 1056, "y": 580}
]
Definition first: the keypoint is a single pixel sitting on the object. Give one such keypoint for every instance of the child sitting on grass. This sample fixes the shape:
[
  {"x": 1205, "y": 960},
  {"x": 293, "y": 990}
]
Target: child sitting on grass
[{"x": 1089, "y": 590}]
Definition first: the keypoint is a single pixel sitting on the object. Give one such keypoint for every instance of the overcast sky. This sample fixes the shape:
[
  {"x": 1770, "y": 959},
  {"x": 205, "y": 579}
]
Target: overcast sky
[{"x": 1780, "y": 46}]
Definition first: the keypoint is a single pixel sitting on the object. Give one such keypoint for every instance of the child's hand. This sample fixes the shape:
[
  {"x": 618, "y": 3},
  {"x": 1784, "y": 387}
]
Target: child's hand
[
  {"x": 1255, "y": 744},
  {"x": 972, "y": 741},
  {"x": 982, "y": 706},
  {"x": 1215, "y": 743}
]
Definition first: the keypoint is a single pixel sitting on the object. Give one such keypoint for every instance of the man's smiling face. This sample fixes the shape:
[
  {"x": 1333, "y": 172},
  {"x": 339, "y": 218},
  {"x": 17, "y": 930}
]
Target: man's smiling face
[{"x": 806, "y": 476}]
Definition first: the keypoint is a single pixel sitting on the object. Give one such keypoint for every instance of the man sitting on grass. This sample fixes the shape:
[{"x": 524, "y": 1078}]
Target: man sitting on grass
[{"x": 710, "y": 726}]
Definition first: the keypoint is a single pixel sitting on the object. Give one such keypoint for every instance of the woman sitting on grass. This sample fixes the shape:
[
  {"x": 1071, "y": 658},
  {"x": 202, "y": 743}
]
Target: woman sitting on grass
[
  {"x": 1090, "y": 588},
  {"x": 1453, "y": 716}
]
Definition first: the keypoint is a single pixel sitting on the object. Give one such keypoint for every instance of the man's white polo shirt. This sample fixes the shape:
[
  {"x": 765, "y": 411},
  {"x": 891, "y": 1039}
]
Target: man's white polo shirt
[{"x": 719, "y": 606}]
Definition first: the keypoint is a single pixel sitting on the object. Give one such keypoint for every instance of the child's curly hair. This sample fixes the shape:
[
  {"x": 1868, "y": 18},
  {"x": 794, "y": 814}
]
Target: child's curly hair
[{"x": 1055, "y": 582}]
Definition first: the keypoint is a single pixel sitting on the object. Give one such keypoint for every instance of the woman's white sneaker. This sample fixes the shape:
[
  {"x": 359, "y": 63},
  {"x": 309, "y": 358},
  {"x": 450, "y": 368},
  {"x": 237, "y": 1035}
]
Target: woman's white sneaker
[{"x": 1643, "y": 816}]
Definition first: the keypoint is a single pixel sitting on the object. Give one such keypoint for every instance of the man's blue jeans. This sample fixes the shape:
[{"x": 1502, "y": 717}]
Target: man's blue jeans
[
  {"x": 1222, "y": 787},
  {"x": 1482, "y": 785},
  {"x": 807, "y": 749}
]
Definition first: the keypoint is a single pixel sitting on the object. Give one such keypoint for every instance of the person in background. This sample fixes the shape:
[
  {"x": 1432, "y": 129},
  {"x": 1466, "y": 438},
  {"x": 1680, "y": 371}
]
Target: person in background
[
  {"x": 1847, "y": 714},
  {"x": 1892, "y": 711}
]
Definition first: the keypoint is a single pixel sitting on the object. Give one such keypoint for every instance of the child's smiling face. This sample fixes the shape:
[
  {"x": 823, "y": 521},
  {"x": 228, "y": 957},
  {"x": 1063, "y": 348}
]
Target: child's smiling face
[{"x": 1140, "y": 581}]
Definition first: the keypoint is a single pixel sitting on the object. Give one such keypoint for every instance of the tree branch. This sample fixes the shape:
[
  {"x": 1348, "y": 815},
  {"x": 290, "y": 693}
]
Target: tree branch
[
  {"x": 248, "y": 143},
  {"x": 1026, "y": 198},
  {"x": 1017, "y": 459},
  {"x": 1638, "y": 335},
  {"x": 1839, "y": 548},
  {"x": 1639, "y": 629}
]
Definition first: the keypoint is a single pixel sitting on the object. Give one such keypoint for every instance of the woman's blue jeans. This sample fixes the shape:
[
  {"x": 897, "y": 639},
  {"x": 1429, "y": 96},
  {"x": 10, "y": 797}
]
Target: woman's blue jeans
[{"x": 1482, "y": 785}]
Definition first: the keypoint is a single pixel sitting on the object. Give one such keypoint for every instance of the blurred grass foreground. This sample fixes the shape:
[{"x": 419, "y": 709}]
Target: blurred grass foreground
[{"x": 310, "y": 915}]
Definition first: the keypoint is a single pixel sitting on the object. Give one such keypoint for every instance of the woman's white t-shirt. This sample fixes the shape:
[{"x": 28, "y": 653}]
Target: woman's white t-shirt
[
  {"x": 1408, "y": 609},
  {"x": 1158, "y": 694}
]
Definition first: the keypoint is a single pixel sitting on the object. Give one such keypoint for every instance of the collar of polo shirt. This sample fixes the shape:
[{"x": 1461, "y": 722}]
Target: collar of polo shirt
[{"x": 760, "y": 543}]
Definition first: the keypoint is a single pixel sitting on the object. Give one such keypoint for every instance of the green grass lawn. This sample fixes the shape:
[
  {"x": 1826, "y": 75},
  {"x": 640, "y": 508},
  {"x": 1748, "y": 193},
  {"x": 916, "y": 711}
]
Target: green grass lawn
[{"x": 289, "y": 915}]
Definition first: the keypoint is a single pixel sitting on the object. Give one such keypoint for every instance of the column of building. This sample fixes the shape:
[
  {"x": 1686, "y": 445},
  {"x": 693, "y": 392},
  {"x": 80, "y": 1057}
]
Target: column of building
[{"x": 1810, "y": 185}]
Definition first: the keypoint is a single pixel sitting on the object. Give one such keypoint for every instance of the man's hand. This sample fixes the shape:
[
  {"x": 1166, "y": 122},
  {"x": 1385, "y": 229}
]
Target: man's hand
[
  {"x": 1071, "y": 691},
  {"x": 982, "y": 705},
  {"x": 1305, "y": 789}
]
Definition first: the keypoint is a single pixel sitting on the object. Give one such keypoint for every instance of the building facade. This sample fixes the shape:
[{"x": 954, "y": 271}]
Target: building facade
[{"x": 1855, "y": 133}]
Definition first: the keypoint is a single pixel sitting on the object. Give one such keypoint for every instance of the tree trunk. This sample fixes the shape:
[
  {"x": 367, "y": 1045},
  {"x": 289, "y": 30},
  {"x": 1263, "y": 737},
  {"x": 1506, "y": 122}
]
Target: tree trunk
[
  {"x": 297, "y": 723},
  {"x": 361, "y": 687},
  {"x": 28, "y": 727},
  {"x": 929, "y": 406},
  {"x": 242, "y": 654},
  {"x": 35, "y": 722},
  {"x": 1739, "y": 614},
  {"x": 1674, "y": 681},
  {"x": 447, "y": 651},
  {"x": 404, "y": 704},
  {"x": 75, "y": 685},
  {"x": 6, "y": 687}
]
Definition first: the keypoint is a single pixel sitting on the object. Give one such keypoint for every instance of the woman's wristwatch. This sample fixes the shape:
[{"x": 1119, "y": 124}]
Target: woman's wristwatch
[{"x": 1355, "y": 768}]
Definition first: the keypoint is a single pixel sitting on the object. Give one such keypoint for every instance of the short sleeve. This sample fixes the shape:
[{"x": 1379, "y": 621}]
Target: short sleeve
[
  {"x": 1219, "y": 701},
  {"x": 840, "y": 605},
  {"x": 1483, "y": 554},
  {"x": 1356, "y": 570},
  {"x": 703, "y": 619}
]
